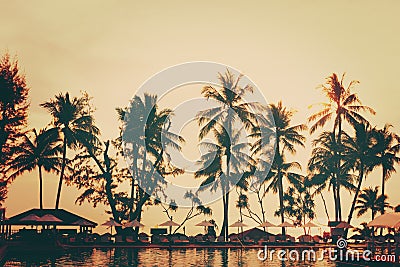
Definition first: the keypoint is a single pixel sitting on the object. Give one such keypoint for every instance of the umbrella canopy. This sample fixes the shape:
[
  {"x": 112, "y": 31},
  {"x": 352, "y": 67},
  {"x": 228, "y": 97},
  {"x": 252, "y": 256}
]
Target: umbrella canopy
[
  {"x": 82, "y": 222},
  {"x": 169, "y": 223},
  {"x": 310, "y": 224},
  {"x": 49, "y": 218},
  {"x": 238, "y": 224},
  {"x": 111, "y": 222},
  {"x": 31, "y": 217},
  {"x": 267, "y": 224},
  {"x": 344, "y": 225},
  {"x": 285, "y": 224},
  {"x": 133, "y": 223},
  {"x": 387, "y": 220},
  {"x": 205, "y": 223}
]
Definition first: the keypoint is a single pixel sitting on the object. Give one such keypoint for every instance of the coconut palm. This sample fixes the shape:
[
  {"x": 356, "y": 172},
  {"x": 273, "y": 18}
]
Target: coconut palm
[
  {"x": 146, "y": 133},
  {"x": 213, "y": 169},
  {"x": 279, "y": 171},
  {"x": 231, "y": 108},
  {"x": 369, "y": 199},
  {"x": 287, "y": 138},
  {"x": 75, "y": 123},
  {"x": 41, "y": 152},
  {"x": 343, "y": 106},
  {"x": 386, "y": 146},
  {"x": 361, "y": 156},
  {"x": 324, "y": 172}
]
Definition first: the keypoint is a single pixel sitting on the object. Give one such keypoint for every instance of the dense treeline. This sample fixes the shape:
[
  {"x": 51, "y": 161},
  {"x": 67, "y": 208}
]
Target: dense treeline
[{"x": 340, "y": 160}]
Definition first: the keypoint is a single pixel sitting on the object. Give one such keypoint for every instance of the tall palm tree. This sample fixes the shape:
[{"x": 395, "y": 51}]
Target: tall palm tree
[
  {"x": 287, "y": 138},
  {"x": 386, "y": 146},
  {"x": 75, "y": 123},
  {"x": 369, "y": 199},
  {"x": 231, "y": 108},
  {"x": 361, "y": 156},
  {"x": 343, "y": 106},
  {"x": 213, "y": 167},
  {"x": 42, "y": 152},
  {"x": 146, "y": 131},
  {"x": 324, "y": 172},
  {"x": 280, "y": 170}
]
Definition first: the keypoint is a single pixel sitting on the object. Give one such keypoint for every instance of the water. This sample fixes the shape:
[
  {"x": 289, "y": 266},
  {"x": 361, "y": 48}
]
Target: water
[{"x": 158, "y": 257}]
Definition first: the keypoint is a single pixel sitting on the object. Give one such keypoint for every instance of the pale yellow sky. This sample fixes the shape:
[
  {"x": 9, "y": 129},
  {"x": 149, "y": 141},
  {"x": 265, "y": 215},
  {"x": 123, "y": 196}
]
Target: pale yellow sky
[{"x": 109, "y": 48}]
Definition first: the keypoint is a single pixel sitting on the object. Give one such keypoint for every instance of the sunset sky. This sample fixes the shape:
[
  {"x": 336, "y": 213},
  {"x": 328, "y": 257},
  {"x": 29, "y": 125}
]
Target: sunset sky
[{"x": 109, "y": 48}]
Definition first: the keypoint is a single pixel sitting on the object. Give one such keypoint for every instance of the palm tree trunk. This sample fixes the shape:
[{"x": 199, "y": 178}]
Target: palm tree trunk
[
  {"x": 226, "y": 216},
  {"x": 134, "y": 176},
  {"x": 383, "y": 189},
  {"x": 280, "y": 189},
  {"x": 60, "y": 181},
  {"x": 325, "y": 207},
  {"x": 222, "y": 233},
  {"x": 353, "y": 204},
  {"x": 40, "y": 187},
  {"x": 339, "y": 203}
]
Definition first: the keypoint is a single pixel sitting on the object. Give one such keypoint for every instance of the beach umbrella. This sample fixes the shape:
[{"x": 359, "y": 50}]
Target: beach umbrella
[
  {"x": 134, "y": 223},
  {"x": 310, "y": 225},
  {"x": 267, "y": 224},
  {"x": 387, "y": 220},
  {"x": 49, "y": 218},
  {"x": 205, "y": 224},
  {"x": 170, "y": 224},
  {"x": 111, "y": 223},
  {"x": 238, "y": 224},
  {"x": 285, "y": 224},
  {"x": 344, "y": 225}
]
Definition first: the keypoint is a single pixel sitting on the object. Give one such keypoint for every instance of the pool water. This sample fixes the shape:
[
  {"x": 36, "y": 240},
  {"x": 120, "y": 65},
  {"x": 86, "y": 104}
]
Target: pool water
[{"x": 158, "y": 257}]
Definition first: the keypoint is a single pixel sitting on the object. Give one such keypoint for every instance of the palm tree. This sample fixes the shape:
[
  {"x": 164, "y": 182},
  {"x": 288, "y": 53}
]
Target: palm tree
[
  {"x": 361, "y": 156},
  {"x": 281, "y": 169},
  {"x": 42, "y": 152},
  {"x": 287, "y": 137},
  {"x": 369, "y": 199},
  {"x": 386, "y": 146},
  {"x": 343, "y": 105},
  {"x": 231, "y": 108},
  {"x": 212, "y": 167},
  {"x": 146, "y": 130},
  {"x": 299, "y": 204},
  {"x": 75, "y": 123},
  {"x": 324, "y": 172}
]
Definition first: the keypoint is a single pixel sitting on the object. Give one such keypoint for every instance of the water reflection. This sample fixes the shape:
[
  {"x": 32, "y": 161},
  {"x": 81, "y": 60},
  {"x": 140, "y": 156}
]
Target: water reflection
[{"x": 158, "y": 257}]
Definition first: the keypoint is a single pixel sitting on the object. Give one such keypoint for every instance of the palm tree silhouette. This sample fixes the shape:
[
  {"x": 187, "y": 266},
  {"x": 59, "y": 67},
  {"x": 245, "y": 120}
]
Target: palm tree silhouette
[
  {"x": 361, "y": 156},
  {"x": 42, "y": 152},
  {"x": 369, "y": 199},
  {"x": 75, "y": 123},
  {"x": 324, "y": 172},
  {"x": 231, "y": 108},
  {"x": 386, "y": 146},
  {"x": 343, "y": 105},
  {"x": 287, "y": 138},
  {"x": 214, "y": 169},
  {"x": 147, "y": 132}
]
